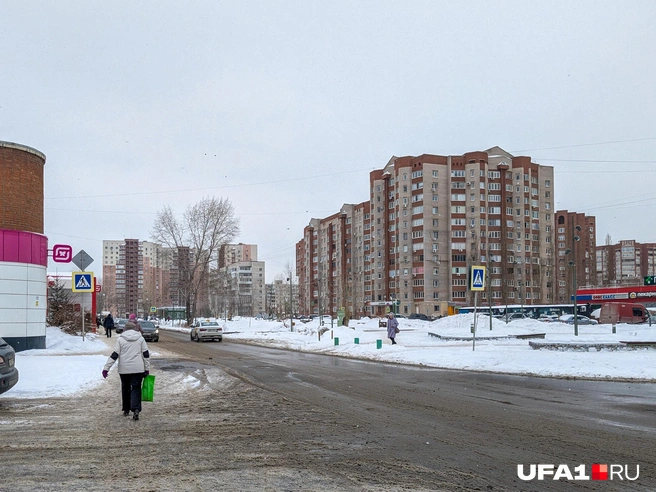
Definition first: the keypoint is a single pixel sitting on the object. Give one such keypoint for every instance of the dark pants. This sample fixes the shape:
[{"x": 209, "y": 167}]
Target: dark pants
[
  {"x": 109, "y": 332},
  {"x": 131, "y": 391}
]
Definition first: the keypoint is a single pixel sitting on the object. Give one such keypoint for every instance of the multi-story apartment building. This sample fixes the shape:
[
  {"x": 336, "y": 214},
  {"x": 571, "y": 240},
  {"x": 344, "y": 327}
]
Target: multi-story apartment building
[
  {"x": 235, "y": 253},
  {"x": 179, "y": 275},
  {"x": 626, "y": 263},
  {"x": 428, "y": 219},
  {"x": 108, "y": 300},
  {"x": 281, "y": 291},
  {"x": 332, "y": 263},
  {"x": 271, "y": 301},
  {"x": 245, "y": 279},
  {"x": 135, "y": 276},
  {"x": 576, "y": 241},
  {"x": 129, "y": 278},
  {"x": 156, "y": 278}
]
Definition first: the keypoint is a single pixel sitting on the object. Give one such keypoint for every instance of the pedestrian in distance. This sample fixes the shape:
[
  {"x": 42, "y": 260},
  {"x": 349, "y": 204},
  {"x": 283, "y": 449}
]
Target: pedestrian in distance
[
  {"x": 109, "y": 325},
  {"x": 133, "y": 358},
  {"x": 392, "y": 327},
  {"x": 133, "y": 319}
]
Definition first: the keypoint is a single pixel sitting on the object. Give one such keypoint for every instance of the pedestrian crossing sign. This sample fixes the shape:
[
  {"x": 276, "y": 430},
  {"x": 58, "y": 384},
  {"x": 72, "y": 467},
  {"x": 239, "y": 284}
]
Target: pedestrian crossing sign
[
  {"x": 82, "y": 282},
  {"x": 477, "y": 278}
]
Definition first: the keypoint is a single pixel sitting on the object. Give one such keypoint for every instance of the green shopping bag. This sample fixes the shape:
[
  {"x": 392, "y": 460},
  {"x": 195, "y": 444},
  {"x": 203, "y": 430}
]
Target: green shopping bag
[{"x": 148, "y": 388}]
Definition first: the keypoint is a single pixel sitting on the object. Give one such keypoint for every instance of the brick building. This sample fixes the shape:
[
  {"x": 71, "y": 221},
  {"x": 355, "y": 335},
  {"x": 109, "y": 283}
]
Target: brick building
[
  {"x": 625, "y": 263},
  {"x": 136, "y": 277},
  {"x": 429, "y": 218},
  {"x": 23, "y": 247},
  {"x": 576, "y": 241}
]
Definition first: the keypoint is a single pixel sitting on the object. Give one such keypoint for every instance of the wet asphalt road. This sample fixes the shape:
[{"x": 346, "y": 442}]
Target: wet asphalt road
[
  {"x": 237, "y": 417},
  {"x": 477, "y": 424}
]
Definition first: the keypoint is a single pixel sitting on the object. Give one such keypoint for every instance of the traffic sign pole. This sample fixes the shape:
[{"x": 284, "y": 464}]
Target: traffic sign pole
[
  {"x": 476, "y": 283},
  {"x": 94, "y": 307},
  {"x": 82, "y": 282},
  {"x": 475, "y": 317}
]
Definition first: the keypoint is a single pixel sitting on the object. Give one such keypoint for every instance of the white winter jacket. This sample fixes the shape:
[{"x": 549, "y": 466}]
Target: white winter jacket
[{"x": 132, "y": 354}]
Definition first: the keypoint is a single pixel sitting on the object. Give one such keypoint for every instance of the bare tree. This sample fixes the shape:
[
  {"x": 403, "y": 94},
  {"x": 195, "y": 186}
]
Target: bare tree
[{"x": 204, "y": 227}]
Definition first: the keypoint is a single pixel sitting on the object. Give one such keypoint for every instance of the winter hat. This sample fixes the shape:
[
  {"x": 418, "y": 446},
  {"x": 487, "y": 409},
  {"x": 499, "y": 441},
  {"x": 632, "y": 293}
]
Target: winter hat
[{"x": 133, "y": 317}]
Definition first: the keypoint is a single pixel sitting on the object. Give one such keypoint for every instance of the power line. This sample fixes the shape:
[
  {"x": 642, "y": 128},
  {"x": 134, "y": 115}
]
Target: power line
[
  {"x": 608, "y": 172},
  {"x": 141, "y": 193},
  {"x": 585, "y": 145},
  {"x": 593, "y": 161},
  {"x": 304, "y": 212}
]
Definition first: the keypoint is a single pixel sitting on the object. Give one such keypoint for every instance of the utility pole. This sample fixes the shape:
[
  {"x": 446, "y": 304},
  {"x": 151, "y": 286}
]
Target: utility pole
[
  {"x": 489, "y": 289},
  {"x": 319, "y": 294},
  {"x": 575, "y": 238},
  {"x": 291, "y": 301}
]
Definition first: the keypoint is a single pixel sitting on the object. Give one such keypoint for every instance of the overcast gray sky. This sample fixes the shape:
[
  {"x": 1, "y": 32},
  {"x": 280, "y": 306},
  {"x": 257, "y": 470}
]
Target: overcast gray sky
[{"x": 285, "y": 107}]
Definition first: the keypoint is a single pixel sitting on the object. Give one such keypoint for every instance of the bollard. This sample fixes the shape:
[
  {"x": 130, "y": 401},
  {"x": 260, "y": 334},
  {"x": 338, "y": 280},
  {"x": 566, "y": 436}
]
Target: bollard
[
  {"x": 336, "y": 340},
  {"x": 356, "y": 341},
  {"x": 331, "y": 333},
  {"x": 379, "y": 344},
  {"x": 614, "y": 328}
]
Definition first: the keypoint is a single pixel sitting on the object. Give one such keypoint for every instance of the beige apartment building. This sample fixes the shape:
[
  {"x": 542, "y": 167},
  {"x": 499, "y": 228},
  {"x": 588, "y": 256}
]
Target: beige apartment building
[
  {"x": 427, "y": 220},
  {"x": 244, "y": 280}
]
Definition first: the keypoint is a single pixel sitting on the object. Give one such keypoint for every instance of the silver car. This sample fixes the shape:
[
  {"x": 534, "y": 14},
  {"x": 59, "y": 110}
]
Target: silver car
[
  {"x": 581, "y": 320},
  {"x": 203, "y": 330}
]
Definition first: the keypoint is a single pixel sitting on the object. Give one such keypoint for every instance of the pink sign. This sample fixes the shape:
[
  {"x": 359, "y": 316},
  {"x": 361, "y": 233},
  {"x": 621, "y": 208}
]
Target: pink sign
[{"x": 62, "y": 253}]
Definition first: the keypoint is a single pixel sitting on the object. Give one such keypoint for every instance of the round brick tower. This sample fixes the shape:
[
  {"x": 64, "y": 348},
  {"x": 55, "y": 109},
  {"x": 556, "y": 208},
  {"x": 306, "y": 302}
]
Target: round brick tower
[{"x": 23, "y": 247}]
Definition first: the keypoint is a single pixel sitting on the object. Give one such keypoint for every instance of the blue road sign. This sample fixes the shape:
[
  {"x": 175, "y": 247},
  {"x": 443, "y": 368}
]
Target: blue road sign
[
  {"x": 82, "y": 282},
  {"x": 477, "y": 278}
]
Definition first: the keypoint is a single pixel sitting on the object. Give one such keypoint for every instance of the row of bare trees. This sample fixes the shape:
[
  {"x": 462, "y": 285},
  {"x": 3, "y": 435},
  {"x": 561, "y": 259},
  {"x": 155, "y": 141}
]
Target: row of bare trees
[{"x": 203, "y": 228}]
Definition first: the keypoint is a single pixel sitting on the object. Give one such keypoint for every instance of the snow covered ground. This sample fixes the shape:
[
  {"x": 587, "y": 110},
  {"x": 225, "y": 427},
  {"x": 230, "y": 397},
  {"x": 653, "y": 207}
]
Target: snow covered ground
[{"x": 69, "y": 364}]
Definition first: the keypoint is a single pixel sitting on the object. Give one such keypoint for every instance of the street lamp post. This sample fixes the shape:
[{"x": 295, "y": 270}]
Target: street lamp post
[
  {"x": 572, "y": 263},
  {"x": 291, "y": 302},
  {"x": 506, "y": 296},
  {"x": 521, "y": 284}
]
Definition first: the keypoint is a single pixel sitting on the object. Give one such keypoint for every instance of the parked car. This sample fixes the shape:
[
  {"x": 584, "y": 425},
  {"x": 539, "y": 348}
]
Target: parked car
[
  {"x": 420, "y": 316},
  {"x": 150, "y": 331},
  {"x": 206, "y": 330},
  {"x": 582, "y": 320},
  {"x": 119, "y": 325},
  {"x": 8, "y": 371},
  {"x": 548, "y": 318},
  {"x": 516, "y": 316}
]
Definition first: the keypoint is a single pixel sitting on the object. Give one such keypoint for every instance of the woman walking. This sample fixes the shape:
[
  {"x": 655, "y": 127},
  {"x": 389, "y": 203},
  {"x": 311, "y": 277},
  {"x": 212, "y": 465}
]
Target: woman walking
[
  {"x": 392, "y": 327},
  {"x": 133, "y": 358}
]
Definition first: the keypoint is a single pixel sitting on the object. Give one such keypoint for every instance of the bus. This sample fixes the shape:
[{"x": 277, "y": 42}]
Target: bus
[{"x": 529, "y": 310}]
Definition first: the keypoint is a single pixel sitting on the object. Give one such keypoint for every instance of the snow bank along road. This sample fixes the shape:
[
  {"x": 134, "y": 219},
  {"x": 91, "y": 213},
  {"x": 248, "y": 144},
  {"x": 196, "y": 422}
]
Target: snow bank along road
[{"x": 231, "y": 416}]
